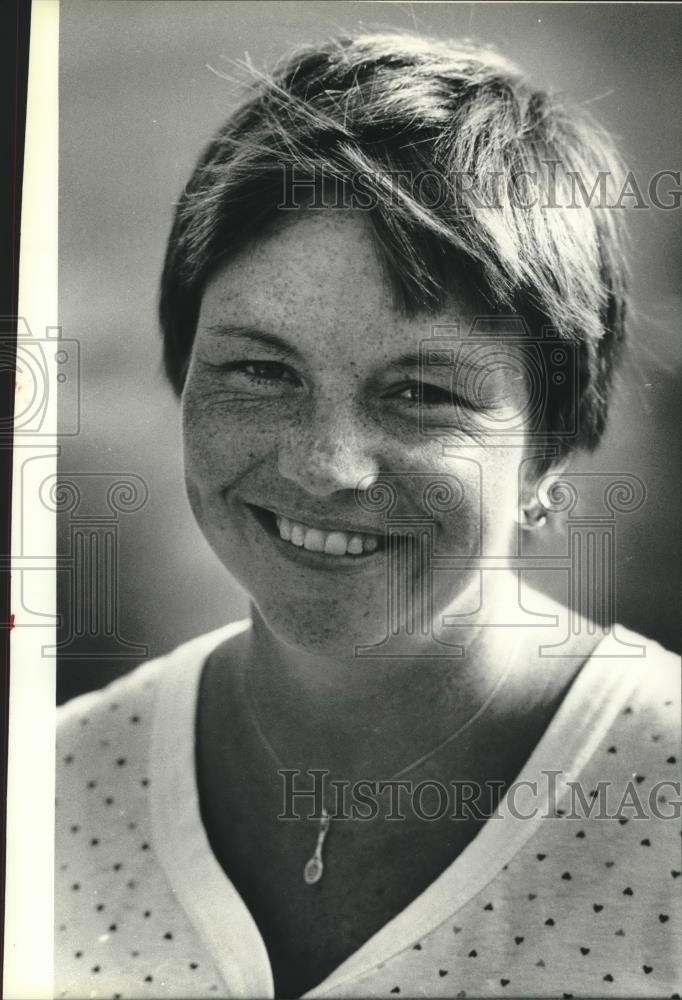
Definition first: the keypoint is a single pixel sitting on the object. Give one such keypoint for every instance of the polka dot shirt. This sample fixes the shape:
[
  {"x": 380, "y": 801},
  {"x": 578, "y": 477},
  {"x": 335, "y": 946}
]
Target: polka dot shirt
[{"x": 574, "y": 891}]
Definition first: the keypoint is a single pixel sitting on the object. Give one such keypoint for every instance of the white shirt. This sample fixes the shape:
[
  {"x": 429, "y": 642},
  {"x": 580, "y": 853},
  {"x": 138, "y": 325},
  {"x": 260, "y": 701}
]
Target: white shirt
[{"x": 546, "y": 906}]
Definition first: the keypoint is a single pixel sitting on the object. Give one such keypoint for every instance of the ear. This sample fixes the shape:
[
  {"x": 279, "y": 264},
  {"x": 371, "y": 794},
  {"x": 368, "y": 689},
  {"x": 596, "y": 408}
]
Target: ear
[{"x": 534, "y": 492}]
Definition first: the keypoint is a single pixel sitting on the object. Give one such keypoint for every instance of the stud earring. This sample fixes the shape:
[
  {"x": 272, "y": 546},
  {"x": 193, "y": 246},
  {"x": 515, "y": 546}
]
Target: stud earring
[{"x": 533, "y": 517}]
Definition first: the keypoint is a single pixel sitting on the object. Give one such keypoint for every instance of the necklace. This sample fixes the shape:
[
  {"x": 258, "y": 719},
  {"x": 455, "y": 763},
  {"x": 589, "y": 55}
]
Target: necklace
[{"x": 314, "y": 866}]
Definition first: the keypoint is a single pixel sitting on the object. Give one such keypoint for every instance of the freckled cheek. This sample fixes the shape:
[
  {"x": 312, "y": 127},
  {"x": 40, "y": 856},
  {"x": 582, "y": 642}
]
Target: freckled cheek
[
  {"x": 485, "y": 483},
  {"x": 205, "y": 447},
  {"x": 460, "y": 528},
  {"x": 500, "y": 493},
  {"x": 194, "y": 497},
  {"x": 219, "y": 448},
  {"x": 445, "y": 492}
]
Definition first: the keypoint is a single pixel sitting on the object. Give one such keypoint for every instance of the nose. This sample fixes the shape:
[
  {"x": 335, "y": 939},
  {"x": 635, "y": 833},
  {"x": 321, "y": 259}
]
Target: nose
[{"x": 332, "y": 452}]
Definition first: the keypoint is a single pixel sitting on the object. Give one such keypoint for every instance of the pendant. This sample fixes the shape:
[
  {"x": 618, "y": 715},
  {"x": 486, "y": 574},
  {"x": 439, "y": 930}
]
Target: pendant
[{"x": 314, "y": 867}]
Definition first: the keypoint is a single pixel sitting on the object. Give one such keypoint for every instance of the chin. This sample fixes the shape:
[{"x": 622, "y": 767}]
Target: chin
[{"x": 324, "y": 627}]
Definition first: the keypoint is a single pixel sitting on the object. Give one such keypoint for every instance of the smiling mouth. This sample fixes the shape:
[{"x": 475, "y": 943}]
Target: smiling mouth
[{"x": 334, "y": 544}]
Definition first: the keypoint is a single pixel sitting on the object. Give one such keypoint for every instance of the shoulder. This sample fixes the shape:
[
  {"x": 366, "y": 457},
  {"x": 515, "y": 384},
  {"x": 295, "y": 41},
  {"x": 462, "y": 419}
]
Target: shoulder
[
  {"x": 649, "y": 677},
  {"x": 105, "y": 738},
  {"x": 121, "y": 702},
  {"x": 109, "y": 875},
  {"x": 637, "y": 683},
  {"x": 619, "y": 664}
]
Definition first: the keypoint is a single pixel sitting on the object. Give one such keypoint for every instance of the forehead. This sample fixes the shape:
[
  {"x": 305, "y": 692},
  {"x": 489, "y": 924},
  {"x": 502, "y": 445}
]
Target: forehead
[{"x": 317, "y": 279}]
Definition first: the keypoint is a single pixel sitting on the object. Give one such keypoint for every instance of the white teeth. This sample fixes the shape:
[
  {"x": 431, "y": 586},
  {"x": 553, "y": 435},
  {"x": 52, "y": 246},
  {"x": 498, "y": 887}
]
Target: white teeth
[
  {"x": 333, "y": 543},
  {"x": 314, "y": 540}
]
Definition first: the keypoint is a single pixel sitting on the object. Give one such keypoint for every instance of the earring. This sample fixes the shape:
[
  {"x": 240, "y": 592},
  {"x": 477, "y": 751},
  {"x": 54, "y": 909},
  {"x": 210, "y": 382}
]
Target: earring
[{"x": 533, "y": 517}]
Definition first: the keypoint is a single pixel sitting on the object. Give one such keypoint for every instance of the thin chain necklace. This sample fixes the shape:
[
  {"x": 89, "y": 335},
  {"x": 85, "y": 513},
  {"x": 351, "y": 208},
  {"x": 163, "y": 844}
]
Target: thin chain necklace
[{"x": 314, "y": 866}]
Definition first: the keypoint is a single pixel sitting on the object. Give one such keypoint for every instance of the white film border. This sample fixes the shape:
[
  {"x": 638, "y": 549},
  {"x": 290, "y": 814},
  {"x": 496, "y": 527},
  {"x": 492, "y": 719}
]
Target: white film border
[{"x": 29, "y": 901}]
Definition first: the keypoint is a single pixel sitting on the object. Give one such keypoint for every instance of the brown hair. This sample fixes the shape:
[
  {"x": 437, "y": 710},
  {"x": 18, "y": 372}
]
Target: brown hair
[{"x": 458, "y": 162}]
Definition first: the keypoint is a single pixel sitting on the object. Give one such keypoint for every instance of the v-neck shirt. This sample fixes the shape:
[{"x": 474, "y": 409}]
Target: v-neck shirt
[{"x": 556, "y": 895}]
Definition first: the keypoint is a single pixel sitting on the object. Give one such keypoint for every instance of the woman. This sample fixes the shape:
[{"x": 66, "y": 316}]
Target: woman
[{"x": 400, "y": 775}]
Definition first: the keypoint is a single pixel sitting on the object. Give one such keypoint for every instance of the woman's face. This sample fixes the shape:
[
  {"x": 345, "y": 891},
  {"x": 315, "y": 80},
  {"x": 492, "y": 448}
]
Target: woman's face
[{"x": 304, "y": 389}]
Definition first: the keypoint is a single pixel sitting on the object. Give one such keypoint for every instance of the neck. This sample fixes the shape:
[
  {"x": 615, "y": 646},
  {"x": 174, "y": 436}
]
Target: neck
[{"x": 371, "y": 716}]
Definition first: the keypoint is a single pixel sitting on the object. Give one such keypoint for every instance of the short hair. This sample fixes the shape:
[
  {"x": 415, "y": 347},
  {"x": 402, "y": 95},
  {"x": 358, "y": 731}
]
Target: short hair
[{"x": 462, "y": 120}]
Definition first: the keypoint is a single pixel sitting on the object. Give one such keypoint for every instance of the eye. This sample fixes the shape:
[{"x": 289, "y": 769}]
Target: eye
[
  {"x": 263, "y": 372},
  {"x": 425, "y": 394}
]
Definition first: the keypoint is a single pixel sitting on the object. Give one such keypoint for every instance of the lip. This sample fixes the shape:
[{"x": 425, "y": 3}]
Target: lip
[
  {"x": 311, "y": 521},
  {"x": 265, "y": 519}
]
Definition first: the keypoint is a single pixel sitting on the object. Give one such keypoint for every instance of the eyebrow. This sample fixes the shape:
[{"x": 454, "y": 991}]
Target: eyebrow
[
  {"x": 412, "y": 360},
  {"x": 250, "y": 333},
  {"x": 408, "y": 360}
]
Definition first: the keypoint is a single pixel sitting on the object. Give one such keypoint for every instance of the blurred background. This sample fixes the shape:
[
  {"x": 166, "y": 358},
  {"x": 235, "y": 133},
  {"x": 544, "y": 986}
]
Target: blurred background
[{"x": 140, "y": 94}]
